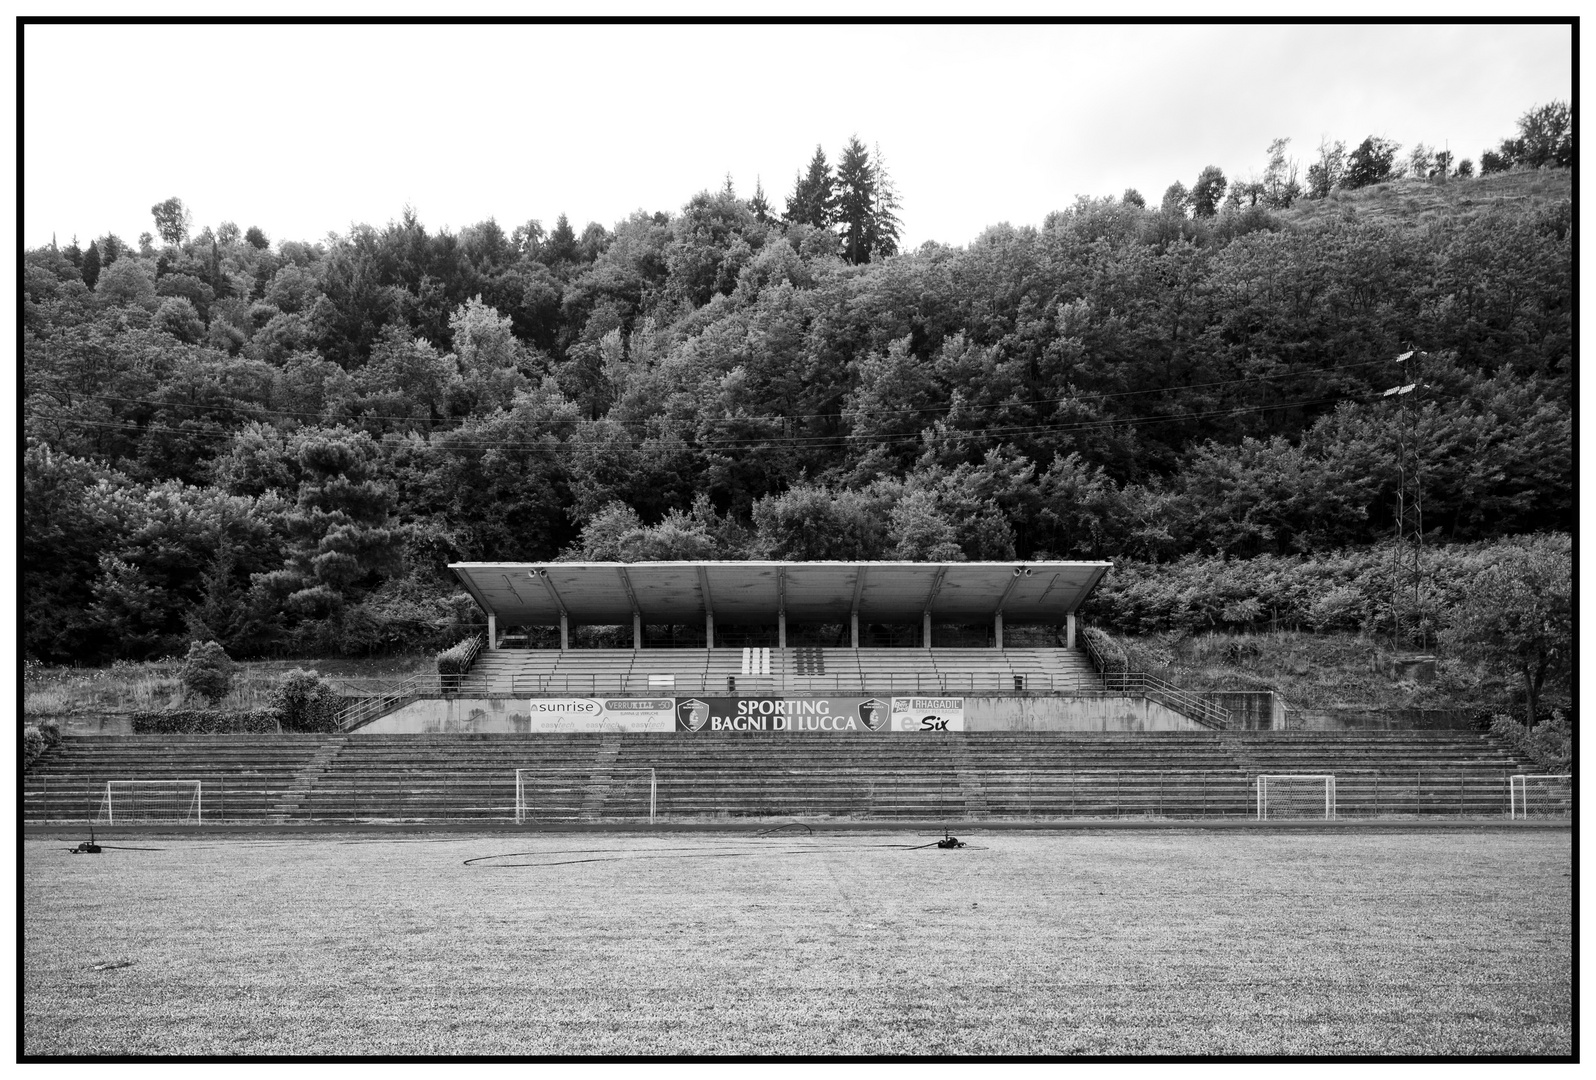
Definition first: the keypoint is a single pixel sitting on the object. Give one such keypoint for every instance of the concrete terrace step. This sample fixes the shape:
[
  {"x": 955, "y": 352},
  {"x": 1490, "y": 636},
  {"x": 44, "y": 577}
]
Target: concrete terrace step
[
  {"x": 625, "y": 670},
  {"x": 469, "y": 777}
]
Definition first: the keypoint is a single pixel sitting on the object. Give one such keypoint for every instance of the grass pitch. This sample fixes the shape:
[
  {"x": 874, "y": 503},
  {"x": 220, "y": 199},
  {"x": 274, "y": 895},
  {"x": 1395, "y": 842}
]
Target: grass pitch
[{"x": 1233, "y": 943}]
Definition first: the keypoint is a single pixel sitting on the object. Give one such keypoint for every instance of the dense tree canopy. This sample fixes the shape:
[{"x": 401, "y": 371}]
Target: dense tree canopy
[{"x": 281, "y": 448}]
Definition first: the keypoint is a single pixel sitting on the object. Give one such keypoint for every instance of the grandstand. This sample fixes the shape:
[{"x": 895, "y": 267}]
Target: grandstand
[
  {"x": 519, "y": 673},
  {"x": 950, "y": 776},
  {"x": 930, "y": 729}
]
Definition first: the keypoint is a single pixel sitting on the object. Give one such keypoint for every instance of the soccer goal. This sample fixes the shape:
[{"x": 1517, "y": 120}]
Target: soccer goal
[
  {"x": 546, "y": 794},
  {"x": 1296, "y": 796},
  {"x": 1540, "y": 796},
  {"x": 152, "y": 802}
]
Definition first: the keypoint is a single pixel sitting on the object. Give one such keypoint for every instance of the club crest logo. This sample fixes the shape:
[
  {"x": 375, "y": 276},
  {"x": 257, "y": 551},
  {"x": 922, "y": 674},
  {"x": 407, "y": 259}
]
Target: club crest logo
[
  {"x": 693, "y": 713},
  {"x": 874, "y": 713}
]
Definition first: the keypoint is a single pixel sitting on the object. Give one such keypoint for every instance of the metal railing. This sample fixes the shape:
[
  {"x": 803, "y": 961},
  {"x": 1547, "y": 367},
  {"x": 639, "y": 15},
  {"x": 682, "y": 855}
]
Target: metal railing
[
  {"x": 396, "y": 696},
  {"x": 1140, "y": 684},
  {"x": 452, "y": 682},
  {"x": 1151, "y": 687},
  {"x": 370, "y": 706},
  {"x": 589, "y": 684}
]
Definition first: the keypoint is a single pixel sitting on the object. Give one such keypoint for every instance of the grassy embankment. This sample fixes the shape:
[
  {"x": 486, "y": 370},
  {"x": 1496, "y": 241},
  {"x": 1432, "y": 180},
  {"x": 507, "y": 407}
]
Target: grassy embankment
[
  {"x": 1097, "y": 944},
  {"x": 1421, "y": 202},
  {"x": 58, "y": 693},
  {"x": 1310, "y": 670}
]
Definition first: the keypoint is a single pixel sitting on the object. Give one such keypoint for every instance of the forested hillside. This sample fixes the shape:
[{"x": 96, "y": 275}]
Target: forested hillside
[{"x": 280, "y": 445}]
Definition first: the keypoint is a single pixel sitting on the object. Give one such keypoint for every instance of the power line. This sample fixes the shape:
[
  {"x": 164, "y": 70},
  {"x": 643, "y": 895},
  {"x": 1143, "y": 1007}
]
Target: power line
[
  {"x": 840, "y": 440},
  {"x": 256, "y": 411}
]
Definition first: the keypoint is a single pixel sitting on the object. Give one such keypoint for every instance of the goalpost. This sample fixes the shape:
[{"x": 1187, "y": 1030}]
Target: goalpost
[
  {"x": 1296, "y": 795},
  {"x": 550, "y": 794},
  {"x": 1540, "y": 796},
  {"x": 159, "y": 802}
]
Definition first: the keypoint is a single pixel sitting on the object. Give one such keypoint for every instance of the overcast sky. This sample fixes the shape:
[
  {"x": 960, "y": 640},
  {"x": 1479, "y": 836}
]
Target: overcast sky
[{"x": 304, "y": 130}]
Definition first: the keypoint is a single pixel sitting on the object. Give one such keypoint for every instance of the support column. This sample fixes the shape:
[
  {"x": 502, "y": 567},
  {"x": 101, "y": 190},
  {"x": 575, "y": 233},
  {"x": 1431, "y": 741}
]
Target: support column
[
  {"x": 925, "y": 636},
  {"x": 637, "y": 630},
  {"x": 1069, "y": 631},
  {"x": 781, "y": 629},
  {"x": 997, "y": 630},
  {"x": 854, "y": 625},
  {"x": 493, "y": 632},
  {"x": 709, "y": 629},
  {"x": 565, "y": 633}
]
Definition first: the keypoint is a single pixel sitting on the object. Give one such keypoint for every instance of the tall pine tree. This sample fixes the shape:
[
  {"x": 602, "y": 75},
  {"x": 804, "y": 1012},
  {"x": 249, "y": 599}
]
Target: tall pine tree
[
  {"x": 856, "y": 201},
  {"x": 811, "y": 201},
  {"x": 91, "y": 265},
  {"x": 884, "y": 223},
  {"x": 759, "y": 204}
]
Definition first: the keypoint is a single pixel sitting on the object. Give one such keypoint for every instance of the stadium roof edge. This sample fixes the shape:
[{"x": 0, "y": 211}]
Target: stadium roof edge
[{"x": 756, "y": 592}]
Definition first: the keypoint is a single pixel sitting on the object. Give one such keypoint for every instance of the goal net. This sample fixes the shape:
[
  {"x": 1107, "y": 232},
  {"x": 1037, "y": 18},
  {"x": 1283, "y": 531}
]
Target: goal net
[
  {"x": 1296, "y": 796},
  {"x": 1540, "y": 796},
  {"x": 584, "y": 794},
  {"x": 158, "y": 802}
]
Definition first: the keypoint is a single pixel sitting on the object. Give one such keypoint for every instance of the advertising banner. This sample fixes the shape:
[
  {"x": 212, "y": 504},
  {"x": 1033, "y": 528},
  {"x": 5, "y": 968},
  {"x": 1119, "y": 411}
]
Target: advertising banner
[
  {"x": 602, "y": 714},
  {"x": 927, "y": 714},
  {"x": 865, "y": 715}
]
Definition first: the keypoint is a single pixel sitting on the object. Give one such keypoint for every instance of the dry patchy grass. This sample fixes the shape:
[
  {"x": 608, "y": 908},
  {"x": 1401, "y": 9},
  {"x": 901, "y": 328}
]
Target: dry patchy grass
[
  {"x": 129, "y": 686},
  {"x": 1309, "y": 670},
  {"x": 1418, "y": 202},
  {"x": 1045, "y": 943}
]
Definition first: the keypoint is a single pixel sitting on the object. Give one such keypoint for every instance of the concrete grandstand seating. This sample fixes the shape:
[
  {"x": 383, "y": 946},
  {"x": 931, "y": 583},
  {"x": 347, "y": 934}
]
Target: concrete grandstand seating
[
  {"x": 954, "y": 776},
  {"x": 522, "y": 672},
  {"x": 243, "y": 777}
]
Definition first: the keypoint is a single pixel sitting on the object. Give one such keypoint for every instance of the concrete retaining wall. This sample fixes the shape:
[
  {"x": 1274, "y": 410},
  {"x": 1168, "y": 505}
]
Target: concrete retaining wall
[
  {"x": 999, "y": 713},
  {"x": 988, "y": 713},
  {"x": 99, "y": 724},
  {"x": 1387, "y": 720},
  {"x": 1250, "y": 710},
  {"x": 429, "y": 715}
]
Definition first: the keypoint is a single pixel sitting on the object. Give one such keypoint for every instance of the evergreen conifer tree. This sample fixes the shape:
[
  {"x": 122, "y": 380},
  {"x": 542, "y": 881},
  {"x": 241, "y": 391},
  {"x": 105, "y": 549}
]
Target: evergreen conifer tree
[
  {"x": 856, "y": 199},
  {"x": 884, "y": 224},
  {"x": 811, "y": 201},
  {"x": 91, "y": 265},
  {"x": 760, "y": 205}
]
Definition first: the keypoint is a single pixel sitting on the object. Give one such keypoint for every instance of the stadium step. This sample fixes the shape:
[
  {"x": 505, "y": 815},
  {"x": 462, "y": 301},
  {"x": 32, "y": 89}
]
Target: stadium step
[
  {"x": 470, "y": 777},
  {"x": 307, "y": 776},
  {"x": 806, "y": 669}
]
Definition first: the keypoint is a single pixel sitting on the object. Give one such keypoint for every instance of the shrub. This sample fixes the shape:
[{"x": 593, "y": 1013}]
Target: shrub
[
  {"x": 1549, "y": 745},
  {"x": 456, "y": 661},
  {"x": 304, "y": 701},
  {"x": 1344, "y": 591},
  {"x": 50, "y": 731},
  {"x": 32, "y": 746},
  {"x": 1114, "y": 658},
  {"x": 207, "y": 671},
  {"x": 204, "y": 721},
  {"x": 1341, "y": 607}
]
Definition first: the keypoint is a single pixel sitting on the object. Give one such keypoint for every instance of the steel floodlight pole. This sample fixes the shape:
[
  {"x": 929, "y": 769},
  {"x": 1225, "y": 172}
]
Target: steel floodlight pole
[{"x": 1408, "y": 526}]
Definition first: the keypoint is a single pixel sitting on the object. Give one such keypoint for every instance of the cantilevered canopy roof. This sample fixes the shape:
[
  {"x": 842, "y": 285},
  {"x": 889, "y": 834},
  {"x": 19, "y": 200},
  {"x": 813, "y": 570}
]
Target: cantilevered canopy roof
[{"x": 752, "y": 593}]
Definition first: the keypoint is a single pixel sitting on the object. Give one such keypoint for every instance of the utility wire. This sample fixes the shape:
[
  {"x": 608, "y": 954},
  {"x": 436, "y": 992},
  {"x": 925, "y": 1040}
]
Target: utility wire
[
  {"x": 810, "y": 442},
  {"x": 1079, "y": 396}
]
